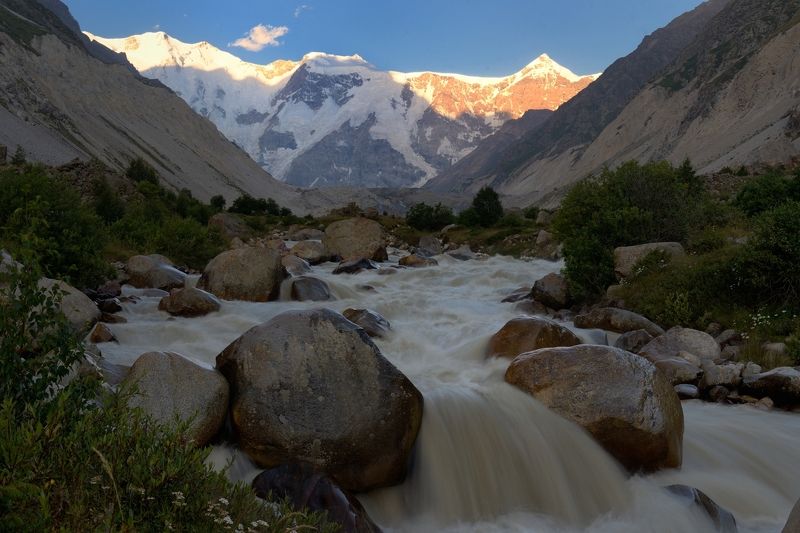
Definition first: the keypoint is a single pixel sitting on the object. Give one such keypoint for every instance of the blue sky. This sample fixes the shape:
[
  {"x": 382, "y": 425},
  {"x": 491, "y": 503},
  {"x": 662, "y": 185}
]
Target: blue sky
[{"x": 478, "y": 37}]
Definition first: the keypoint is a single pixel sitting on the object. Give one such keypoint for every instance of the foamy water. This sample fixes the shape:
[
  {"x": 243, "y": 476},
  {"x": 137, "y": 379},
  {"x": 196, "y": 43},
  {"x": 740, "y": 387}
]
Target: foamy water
[{"x": 489, "y": 457}]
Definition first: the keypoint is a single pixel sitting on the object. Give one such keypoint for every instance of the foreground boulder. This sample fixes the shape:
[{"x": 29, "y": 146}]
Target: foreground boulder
[
  {"x": 626, "y": 257},
  {"x": 252, "y": 274},
  {"x": 310, "y": 386},
  {"x": 676, "y": 340},
  {"x": 189, "y": 302},
  {"x": 170, "y": 385},
  {"x": 80, "y": 310},
  {"x": 307, "y": 489},
  {"x": 355, "y": 238},
  {"x": 308, "y": 289},
  {"x": 373, "y": 323},
  {"x": 723, "y": 520},
  {"x": 312, "y": 251},
  {"x": 552, "y": 291},
  {"x": 526, "y": 334},
  {"x": 617, "y": 320},
  {"x": 618, "y": 397},
  {"x": 153, "y": 272},
  {"x": 782, "y": 384}
]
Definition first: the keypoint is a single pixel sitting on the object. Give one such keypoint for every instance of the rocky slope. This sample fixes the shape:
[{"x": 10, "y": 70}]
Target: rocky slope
[
  {"x": 329, "y": 120},
  {"x": 579, "y": 121}
]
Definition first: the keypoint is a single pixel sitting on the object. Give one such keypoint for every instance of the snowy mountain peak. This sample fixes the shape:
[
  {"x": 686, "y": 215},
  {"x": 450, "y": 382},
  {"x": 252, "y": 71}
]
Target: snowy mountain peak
[{"x": 338, "y": 120}]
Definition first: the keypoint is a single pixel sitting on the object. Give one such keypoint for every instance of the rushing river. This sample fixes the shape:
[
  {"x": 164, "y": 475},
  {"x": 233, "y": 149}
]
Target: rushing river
[{"x": 489, "y": 457}]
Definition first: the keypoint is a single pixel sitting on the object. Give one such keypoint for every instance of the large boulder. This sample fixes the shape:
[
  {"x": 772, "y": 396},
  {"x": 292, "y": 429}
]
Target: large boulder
[
  {"x": 230, "y": 226},
  {"x": 728, "y": 375},
  {"x": 678, "y": 340},
  {"x": 294, "y": 265},
  {"x": 373, "y": 323},
  {"x": 80, "y": 310},
  {"x": 782, "y": 384},
  {"x": 621, "y": 399},
  {"x": 153, "y": 272},
  {"x": 312, "y": 251},
  {"x": 633, "y": 341},
  {"x": 169, "y": 385},
  {"x": 308, "y": 489},
  {"x": 626, "y": 257},
  {"x": 723, "y": 520},
  {"x": 189, "y": 302},
  {"x": 552, "y": 291},
  {"x": 311, "y": 386},
  {"x": 305, "y": 234},
  {"x": 793, "y": 523},
  {"x": 678, "y": 370},
  {"x": 617, "y": 320},
  {"x": 309, "y": 289},
  {"x": 530, "y": 333},
  {"x": 462, "y": 253},
  {"x": 252, "y": 274},
  {"x": 355, "y": 238},
  {"x": 429, "y": 245}
]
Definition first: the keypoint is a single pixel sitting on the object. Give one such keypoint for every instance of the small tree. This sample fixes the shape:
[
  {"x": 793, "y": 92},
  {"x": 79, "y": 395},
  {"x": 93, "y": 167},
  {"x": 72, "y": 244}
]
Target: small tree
[
  {"x": 217, "y": 203},
  {"x": 487, "y": 207},
  {"x": 429, "y": 218},
  {"x": 20, "y": 157},
  {"x": 140, "y": 170}
]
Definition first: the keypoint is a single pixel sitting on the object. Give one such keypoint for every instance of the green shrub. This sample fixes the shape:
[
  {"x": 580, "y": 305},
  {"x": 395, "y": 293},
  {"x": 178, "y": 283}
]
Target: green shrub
[
  {"x": 217, "y": 203},
  {"x": 247, "y": 205},
  {"x": 429, "y": 218},
  {"x": 140, "y": 170},
  {"x": 532, "y": 213},
  {"x": 44, "y": 216},
  {"x": 486, "y": 208},
  {"x": 511, "y": 220},
  {"x": 20, "y": 157},
  {"x": 767, "y": 192},
  {"x": 106, "y": 202}
]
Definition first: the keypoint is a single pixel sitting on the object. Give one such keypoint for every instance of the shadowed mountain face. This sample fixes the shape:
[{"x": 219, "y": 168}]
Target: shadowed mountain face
[
  {"x": 328, "y": 120},
  {"x": 580, "y": 120}
]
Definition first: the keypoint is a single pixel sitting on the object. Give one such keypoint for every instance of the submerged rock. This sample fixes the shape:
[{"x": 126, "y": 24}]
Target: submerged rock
[
  {"x": 621, "y": 399},
  {"x": 170, "y": 385},
  {"x": 355, "y": 238},
  {"x": 416, "y": 261},
  {"x": 373, "y": 323},
  {"x": 617, "y": 320},
  {"x": 552, "y": 291},
  {"x": 311, "y": 386},
  {"x": 526, "y": 334},
  {"x": 355, "y": 266},
  {"x": 308, "y": 489},
  {"x": 723, "y": 520},
  {"x": 189, "y": 302},
  {"x": 252, "y": 274}
]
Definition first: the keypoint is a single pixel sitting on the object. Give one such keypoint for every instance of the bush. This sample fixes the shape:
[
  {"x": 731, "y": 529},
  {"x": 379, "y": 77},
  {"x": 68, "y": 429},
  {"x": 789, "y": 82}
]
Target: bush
[
  {"x": 44, "y": 216},
  {"x": 217, "y": 203},
  {"x": 631, "y": 205},
  {"x": 107, "y": 203},
  {"x": 766, "y": 192},
  {"x": 20, "y": 157},
  {"x": 247, "y": 205},
  {"x": 532, "y": 213},
  {"x": 429, "y": 218},
  {"x": 510, "y": 220},
  {"x": 140, "y": 170}
]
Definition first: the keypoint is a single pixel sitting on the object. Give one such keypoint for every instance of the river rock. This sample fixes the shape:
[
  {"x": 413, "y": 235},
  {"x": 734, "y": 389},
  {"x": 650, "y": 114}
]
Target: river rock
[
  {"x": 252, "y": 274},
  {"x": 687, "y": 391},
  {"x": 170, "y": 385},
  {"x": 307, "y": 234},
  {"x": 633, "y": 341},
  {"x": 626, "y": 257},
  {"x": 729, "y": 337},
  {"x": 429, "y": 246},
  {"x": 294, "y": 265},
  {"x": 718, "y": 393},
  {"x": 417, "y": 261},
  {"x": 680, "y": 339},
  {"x": 110, "y": 305},
  {"x": 782, "y": 384},
  {"x": 355, "y": 238},
  {"x": 462, "y": 253},
  {"x": 101, "y": 334},
  {"x": 355, "y": 266},
  {"x": 312, "y": 251},
  {"x": 750, "y": 369},
  {"x": 80, "y": 311},
  {"x": 525, "y": 334},
  {"x": 308, "y": 289},
  {"x": 307, "y": 489},
  {"x": 373, "y": 323},
  {"x": 311, "y": 386},
  {"x": 621, "y": 399},
  {"x": 793, "y": 523},
  {"x": 230, "y": 226},
  {"x": 523, "y": 293},
  {"x": 723, "y": 520},
  {"x": 728, "y": 375},
  {"x": 617, "y": 320},
  {"x": 678, "y": 370},
  {"x": 153, "y": 272},
  {"x": 189, "y": 302},
  {"x": 552, "y": 291}
]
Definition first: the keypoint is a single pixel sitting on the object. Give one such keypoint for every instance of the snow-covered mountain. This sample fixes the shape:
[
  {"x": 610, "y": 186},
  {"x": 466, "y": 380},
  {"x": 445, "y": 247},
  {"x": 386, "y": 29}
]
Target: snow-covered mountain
[{"x": 337, "y": 120}]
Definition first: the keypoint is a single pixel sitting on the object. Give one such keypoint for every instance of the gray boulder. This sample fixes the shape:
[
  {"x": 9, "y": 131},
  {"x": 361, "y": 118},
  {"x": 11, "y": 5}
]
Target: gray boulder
[
  {"x": 252, "y": 274},
  {"x": 782, "y": 384},
  {"x": 312, "y": 251},
  {"x": 723, "y": 520},
  {"x": 309, "y": 289},
  {"x": 373, "y": 323},
  {"x": 153, "y": 272},
  {"x": 355, "y": 238},
  {"x": 429, "y": 246},
  {"x": 617, "y": 320},
  {"x": 552, "y": 291},
  {"x": 633, "y": 341},
  {"x": 680, "y": 339},
  {"x": 294, "y": 265},
  {"x": 189, "y": 302},
  {"x": 526, "y": 334},
  {"x": 80, "y": 310}
]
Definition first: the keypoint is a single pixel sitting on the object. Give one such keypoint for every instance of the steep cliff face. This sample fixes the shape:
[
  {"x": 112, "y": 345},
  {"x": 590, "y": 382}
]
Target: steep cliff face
[
  {"x": 62, "y": 98},
  {"x": 579, "y": 121},
  {"x": 732, "y": 97},
  {"x": 329, "y": 120}
]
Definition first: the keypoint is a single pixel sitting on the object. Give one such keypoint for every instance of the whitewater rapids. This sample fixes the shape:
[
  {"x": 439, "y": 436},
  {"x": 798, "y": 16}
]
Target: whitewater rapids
[{"x": 490, "y": 458}]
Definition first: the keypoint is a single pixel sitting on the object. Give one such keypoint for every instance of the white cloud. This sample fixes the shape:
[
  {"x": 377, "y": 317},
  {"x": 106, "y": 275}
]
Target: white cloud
[
  {"x": 260, "y": 37},
  {"x": 300, "y": 9}
]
